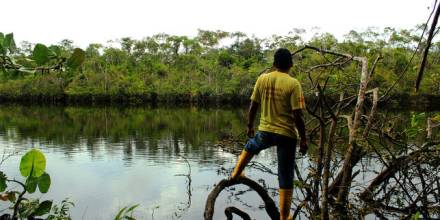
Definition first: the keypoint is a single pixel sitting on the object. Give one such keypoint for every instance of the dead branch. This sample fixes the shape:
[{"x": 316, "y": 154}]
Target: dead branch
[
  {"x": 230, "y": 210},
  {"x": 327, "y": 158},
  {"x": 428, "y": 45},
  {"x": 270, "y": 206},
  {"x": 373, "y": 68},
  {"x": 429, "y": 128},
  {"x": 398, "y": 164},
  {"x": 372, "y": 112},
  {"x": 322, "y": 51}
]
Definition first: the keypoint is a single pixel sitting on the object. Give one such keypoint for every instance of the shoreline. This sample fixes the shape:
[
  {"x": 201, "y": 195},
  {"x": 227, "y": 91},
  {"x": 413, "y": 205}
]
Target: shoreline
[{"x": 425, "y": 102}]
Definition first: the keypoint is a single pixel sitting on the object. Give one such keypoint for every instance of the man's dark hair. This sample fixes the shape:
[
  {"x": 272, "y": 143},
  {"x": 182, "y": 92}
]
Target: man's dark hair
[{"x": 282, "y": 59}]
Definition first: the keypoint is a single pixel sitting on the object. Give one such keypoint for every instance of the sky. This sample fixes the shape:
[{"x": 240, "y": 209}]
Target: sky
[{"x": 97, "y": 21}]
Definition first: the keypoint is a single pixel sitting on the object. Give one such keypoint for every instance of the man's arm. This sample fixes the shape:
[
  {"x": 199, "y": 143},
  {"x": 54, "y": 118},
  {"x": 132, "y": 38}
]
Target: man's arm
[
  {"x": 253, "y": 108},
  {"x": 300, "y": 126}
]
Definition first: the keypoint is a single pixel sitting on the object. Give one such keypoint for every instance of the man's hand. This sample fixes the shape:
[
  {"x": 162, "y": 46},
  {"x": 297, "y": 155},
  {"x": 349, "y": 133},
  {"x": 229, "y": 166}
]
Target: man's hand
[
  {"x": 303, "y": 146},
  {"x": 250, "y": 131}
]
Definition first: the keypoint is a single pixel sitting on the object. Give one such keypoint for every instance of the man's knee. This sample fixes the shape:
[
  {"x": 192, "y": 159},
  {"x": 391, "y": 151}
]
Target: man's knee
[
  {"x": 252, "y": 147},
  {"x": 285, "y": 181}
]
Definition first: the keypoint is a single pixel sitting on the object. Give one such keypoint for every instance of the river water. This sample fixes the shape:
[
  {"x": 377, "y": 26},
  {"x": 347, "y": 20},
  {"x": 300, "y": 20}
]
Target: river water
[{"x": 106, "y": 158}]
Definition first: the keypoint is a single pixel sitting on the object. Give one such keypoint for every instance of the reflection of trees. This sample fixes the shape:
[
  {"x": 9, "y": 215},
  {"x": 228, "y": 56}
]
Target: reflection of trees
[{"x": 135, "y": 131}]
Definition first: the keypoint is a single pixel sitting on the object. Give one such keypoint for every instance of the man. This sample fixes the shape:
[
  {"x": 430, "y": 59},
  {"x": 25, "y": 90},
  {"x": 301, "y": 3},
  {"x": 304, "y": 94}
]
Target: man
[{"x": 281, "y": 99}]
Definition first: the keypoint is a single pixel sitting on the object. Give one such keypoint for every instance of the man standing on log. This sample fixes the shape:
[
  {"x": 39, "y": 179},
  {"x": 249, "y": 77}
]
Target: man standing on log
[{"x": 281, "y": 99}]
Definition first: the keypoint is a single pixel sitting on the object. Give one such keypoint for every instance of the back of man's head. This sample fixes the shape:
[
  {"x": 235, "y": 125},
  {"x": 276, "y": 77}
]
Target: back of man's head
[{"x": 282, "y": 59}]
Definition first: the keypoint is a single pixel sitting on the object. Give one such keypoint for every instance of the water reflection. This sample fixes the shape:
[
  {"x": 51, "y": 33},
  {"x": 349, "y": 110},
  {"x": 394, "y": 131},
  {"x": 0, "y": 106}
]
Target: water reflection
[
  {"x": 105, "y": 158},
  {"x": 135, "y": 132}
]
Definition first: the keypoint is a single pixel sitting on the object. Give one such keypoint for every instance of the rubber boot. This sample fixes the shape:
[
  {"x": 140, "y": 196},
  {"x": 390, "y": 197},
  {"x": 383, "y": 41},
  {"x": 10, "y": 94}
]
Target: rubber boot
[
  {"x": 243, "y": 160},
  {"x": 285, "y": 202}
]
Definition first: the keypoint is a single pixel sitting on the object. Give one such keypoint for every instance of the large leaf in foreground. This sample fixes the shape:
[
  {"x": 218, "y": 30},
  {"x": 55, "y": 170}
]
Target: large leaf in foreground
[
  {"x": 44, "y": 183},
  {"x": 43, "y": 208},
  {"x": 31, "y": 184},
  {"x": 33, "y": 163}
]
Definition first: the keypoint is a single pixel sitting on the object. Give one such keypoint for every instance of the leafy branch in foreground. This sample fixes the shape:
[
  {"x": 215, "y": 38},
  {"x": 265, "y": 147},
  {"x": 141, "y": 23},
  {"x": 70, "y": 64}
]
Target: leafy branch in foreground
[
  {"x": 33, "y": 170},
  {"x": 43, "y": 59}
]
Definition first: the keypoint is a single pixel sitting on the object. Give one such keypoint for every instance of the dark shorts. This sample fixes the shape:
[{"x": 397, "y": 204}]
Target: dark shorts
[{"x": 286, "y": 147}]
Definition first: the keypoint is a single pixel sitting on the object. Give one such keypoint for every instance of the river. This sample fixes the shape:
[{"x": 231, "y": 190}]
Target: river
[{"x": 106, "y": 158}]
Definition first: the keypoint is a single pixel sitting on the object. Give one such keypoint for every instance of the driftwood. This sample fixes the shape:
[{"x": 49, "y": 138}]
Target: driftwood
[
  {"x": 269, "y": 204},
  {"x": 230, "y": 210}
]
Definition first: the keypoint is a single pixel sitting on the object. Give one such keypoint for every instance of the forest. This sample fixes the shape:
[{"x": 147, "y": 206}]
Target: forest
[{"x": 214, "y": 66}]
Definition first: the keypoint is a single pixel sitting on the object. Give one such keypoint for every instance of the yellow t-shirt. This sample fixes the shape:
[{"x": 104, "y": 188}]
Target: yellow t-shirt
[{"x": 278, "y": 94}]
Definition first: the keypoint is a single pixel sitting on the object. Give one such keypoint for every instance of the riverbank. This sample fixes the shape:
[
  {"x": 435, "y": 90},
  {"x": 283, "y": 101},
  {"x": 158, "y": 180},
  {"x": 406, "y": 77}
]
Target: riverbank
[{"x": 422, "y": 102}]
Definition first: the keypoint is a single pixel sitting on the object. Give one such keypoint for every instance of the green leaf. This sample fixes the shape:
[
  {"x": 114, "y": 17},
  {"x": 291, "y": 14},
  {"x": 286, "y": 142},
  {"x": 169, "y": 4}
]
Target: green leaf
[
  {"x": 44, "y": 183},
  {"x": 33, "y": 163},
  {"x": 9, "y": 43},
  {"x": 120, "y": 214},
  {"x": 2, "y": 181},
  {"x": 43, "y": 208},
  {"x": 132, "y": 208},
  {"x": 31, "y": 184},
  {"x": 56, "y": 50},
  {"x": 76, "y": 59},
  {"x": 416, "y": 216},
  {"x": 41, "y": 54}
]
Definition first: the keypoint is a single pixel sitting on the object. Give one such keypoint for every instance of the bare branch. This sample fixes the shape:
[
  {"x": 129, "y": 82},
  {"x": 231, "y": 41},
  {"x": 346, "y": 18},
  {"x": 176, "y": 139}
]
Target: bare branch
[
  {"x": 270, "y": 206},
  {"x": 428, "y": 45}
]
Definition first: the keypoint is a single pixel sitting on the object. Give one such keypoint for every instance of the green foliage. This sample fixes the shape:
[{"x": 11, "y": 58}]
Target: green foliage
[
  {"x": 61, "y": 212},
  {"x": 31, "y": 184},
  {"x": 43, "y": 208},
  {"x": 416, "y": 216},
  {"x": 126, "y": 213},
  {"x": 33, "y": 207},
  {"x": 26, "y": 62},
  {"x": 2, "y": 182},
  {"x": 44, "y": 183},
  {"x": 41, "y": 54},
  {"x": 7, "y": 43},
  {"x": 32, "y": 167},
  {"x": 418, "y": 120},
  {"x": 181, "y": 68},
  {"x": 76, "y": 59},
  {"x": 33, "y": 164}
]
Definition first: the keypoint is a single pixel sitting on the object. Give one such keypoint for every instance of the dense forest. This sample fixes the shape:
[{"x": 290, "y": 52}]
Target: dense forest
[{"x": 212, "y": 66}]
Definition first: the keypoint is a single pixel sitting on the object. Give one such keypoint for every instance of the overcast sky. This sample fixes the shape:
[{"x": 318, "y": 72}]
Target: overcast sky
[{"x": 93, "y": 21}]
